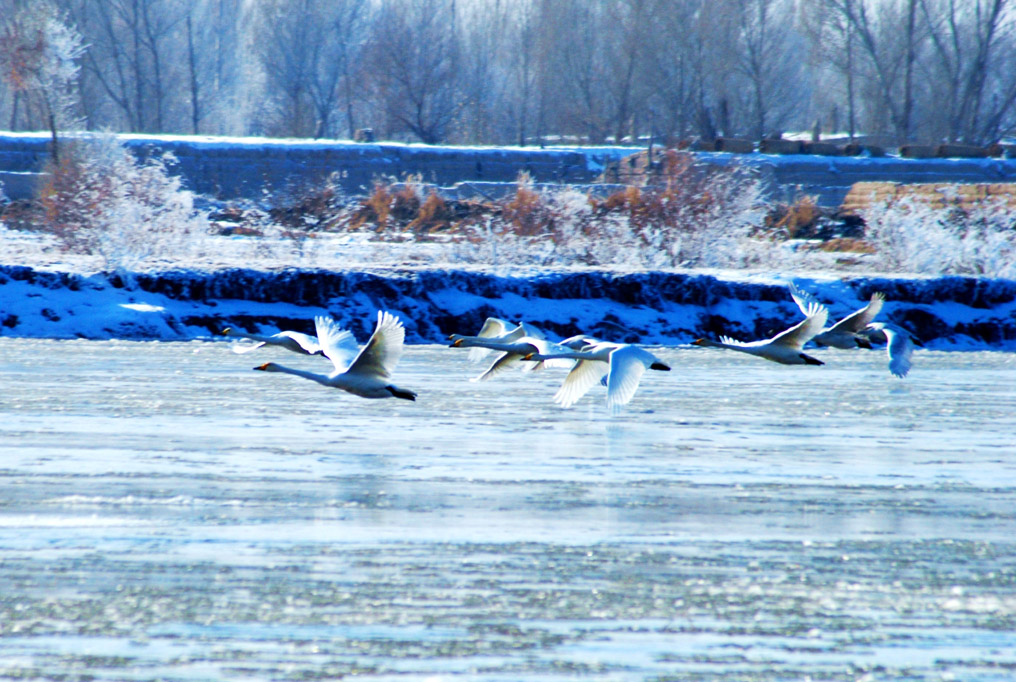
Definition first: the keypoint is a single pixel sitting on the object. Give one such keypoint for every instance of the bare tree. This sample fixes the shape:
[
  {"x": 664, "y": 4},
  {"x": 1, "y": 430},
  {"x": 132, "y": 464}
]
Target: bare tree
[
  {"x": 670, "y": 67},
  {"x": 834, "y": 46},
  {"x": 311, "y": 51},
  {"x": 415, "y": 67},
  {"x": 768, "y": 58},
  {"x": 966, "y": 37},
  {"x": 131, "y": 58},
  {"x": 889, "y": 35}
]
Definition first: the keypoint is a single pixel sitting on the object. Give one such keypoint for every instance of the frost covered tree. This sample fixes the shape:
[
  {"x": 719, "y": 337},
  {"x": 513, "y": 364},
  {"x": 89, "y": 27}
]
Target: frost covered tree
[
  {"x": 104, "y": 201},
  {"x": 39, "y": 55}
]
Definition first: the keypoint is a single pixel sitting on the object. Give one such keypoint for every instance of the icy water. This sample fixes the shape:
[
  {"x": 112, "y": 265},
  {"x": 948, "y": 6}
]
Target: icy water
[{"x": 166, "y": 513}]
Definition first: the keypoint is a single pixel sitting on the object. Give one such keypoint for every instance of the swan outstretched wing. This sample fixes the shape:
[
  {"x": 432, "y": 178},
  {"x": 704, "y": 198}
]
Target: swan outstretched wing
[
  {"x": 802, "y": 298},
  {"x": 530, "y": 331},
  {"x": 496, "y": 329},
  {"x": 627, "y": 365},
  {"x": 247, "y": 347},
  {"x": 381, "y": 353},
  {"x": 502, "y": 363},
  {"x": 310, "y": 345},
  {"x": 583, "y": 376},
  {"x": 806, "y": 329},
  {"x": 493, "y": 326},
  {"x": 899, "y": 349},
  {"x": 860, "y": 319},
  {"x": 579, "y": 341},
  {"x": 338, "y": 344}
]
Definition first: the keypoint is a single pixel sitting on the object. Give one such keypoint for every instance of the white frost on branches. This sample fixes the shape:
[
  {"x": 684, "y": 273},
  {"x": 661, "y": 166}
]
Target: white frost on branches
[
  {"x": 39, "y": 55},
  {"x": 132, "y": 213},
  {"x": 911, "y": 236}
]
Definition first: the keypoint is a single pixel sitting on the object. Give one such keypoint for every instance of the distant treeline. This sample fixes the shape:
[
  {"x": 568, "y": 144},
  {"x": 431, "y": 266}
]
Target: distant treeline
[{"x": 515, "y": 71}]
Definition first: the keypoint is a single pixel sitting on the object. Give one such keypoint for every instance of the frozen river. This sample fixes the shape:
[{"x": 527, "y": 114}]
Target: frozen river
[{"x": 166, "y": 513}]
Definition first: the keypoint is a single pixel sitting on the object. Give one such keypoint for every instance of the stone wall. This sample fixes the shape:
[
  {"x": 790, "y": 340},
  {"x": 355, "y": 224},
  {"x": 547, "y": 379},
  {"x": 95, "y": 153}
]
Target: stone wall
[
  {"x": 244, "y": 167},
  {"x": 230, "y": 168}
]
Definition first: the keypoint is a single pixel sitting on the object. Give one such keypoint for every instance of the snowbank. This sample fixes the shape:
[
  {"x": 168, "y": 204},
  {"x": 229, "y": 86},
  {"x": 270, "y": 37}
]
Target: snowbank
[{"x": 655, "y": 307}]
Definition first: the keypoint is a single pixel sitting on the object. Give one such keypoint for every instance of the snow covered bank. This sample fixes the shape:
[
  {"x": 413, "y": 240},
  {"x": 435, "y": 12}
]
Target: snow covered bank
[{"x": 655, "y": 307}]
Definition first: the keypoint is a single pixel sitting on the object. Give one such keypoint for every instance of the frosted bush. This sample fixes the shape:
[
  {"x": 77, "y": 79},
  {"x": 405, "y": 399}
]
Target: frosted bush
[
  {"x": 694, "y": 220},
  {"x": 131, "y": 213},
  {"x": 911, "y": 236}
]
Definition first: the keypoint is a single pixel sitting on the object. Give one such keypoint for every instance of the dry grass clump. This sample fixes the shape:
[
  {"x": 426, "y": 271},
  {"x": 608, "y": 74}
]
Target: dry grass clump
[
  {"x": 671, "y": 222},
  {"x": 790, "y": 221}
]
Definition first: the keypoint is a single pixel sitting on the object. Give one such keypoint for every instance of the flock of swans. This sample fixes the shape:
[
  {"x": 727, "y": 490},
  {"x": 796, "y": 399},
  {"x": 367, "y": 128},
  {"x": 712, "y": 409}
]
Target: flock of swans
[{"x": 366, "y": 371}]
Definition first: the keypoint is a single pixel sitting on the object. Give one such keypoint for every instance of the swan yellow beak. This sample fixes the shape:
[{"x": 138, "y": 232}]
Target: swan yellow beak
[
  {"x": 528, "y": 356},
  {"x": 225, "y": 331},
  {"x": 456, "y": 343},
  {"x": 264, "y": 367}
]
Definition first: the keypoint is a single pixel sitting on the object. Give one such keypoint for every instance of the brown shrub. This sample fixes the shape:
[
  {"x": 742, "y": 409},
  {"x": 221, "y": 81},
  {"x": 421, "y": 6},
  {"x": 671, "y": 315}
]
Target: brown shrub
[
  {"x": 70, "y": 197},
  {"x": 525, "y": 213},
  {"x": 790, "y": 220},
  {"x": 433, "y": 214}
]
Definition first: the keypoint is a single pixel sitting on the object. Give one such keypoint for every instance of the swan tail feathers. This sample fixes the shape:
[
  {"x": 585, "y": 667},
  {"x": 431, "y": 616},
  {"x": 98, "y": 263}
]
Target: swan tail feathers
[{"x": 403, "y": 393}]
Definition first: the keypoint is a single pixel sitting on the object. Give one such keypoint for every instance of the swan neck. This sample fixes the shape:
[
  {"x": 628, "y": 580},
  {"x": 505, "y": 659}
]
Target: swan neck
[{"x": 313, "y": 376}]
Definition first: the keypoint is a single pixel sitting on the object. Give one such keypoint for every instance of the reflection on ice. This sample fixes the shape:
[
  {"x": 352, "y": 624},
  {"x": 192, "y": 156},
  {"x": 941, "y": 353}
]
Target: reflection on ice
[{"x": 169, "y": 514}]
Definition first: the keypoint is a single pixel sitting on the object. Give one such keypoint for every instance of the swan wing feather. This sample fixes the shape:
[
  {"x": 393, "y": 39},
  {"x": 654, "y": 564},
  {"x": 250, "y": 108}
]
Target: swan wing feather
[
  {"x": 247, "y": 347},
  {"x": 899, "y": 349},
  {"x": 860, "y": 319},
  {"x": 802, "y": 298},
  {"x": 502, "y": 363},
  {"x": 382, "y": 351},
  {"x": 338, "y": 344},
  {"x": 493, "y": 328},
  {"x": 297, "y": 341},
  {"x": 627, "y": 365},
  {"x": 805, "y": 330},
  {"x": 583, "y": 376}
]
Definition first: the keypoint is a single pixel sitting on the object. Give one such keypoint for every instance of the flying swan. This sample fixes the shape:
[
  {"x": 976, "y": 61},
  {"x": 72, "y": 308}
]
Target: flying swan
[
  {"x": 785, "y": 347},
  {"x": 843, "y": 334},
  {"x": 513, "y": 352},
  {"x": 899, "y": 347},
  {"x": 305, "y": 344},
  {"x": 622, "y": 365},
  {"x": 365, "y": 373},
  {"x": 496, "y": 330}
]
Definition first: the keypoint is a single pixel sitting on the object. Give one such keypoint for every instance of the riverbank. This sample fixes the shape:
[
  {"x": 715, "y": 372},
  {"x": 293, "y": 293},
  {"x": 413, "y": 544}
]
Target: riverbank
[{"x": 666, "y": 308}]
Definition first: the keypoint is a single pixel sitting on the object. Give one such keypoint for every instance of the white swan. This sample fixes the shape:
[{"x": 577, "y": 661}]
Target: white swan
[
  {"x": 512, "y": 353},
  {"x": 843, "y": 334},
  {"x": 297, "y": 342},
  {"x": 365, "y": 373},
  {"x": 785, "y": 347},
  {"x": 899, "y": 346},
  {"x": 621, "y": 363},
  {"x": 499, "y": 331}
]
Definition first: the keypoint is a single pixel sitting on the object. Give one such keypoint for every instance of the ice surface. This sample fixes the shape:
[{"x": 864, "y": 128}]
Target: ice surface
[{"x": 170, "y": 514}]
